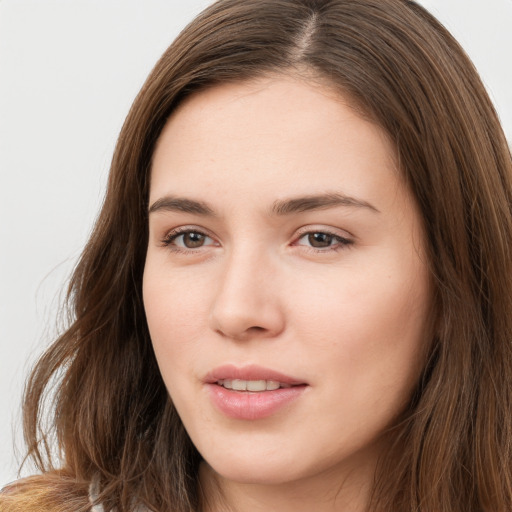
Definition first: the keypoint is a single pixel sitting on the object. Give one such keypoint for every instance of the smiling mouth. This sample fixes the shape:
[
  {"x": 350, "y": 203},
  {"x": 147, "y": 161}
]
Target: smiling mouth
[
  {"x": 256, "y": 386},
  {"x": 251, "y": 392}
]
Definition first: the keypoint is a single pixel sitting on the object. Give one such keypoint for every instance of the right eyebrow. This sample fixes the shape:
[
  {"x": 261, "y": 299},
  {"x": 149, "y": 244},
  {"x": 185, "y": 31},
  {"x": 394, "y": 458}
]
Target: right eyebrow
[{"x": 180, "y": 204}]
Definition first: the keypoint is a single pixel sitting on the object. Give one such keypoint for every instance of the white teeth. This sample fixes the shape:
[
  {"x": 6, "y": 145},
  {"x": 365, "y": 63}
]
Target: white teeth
[
  {"x": 271, "y": 385},
  {"x": 239, "y": 385},
  {"x": 251, "y": 385},
  {"x": 256, "y": 385}
]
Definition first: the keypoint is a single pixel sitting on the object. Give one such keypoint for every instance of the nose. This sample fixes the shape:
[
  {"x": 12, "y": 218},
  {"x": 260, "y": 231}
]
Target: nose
[{"x": 247, "y": 303}]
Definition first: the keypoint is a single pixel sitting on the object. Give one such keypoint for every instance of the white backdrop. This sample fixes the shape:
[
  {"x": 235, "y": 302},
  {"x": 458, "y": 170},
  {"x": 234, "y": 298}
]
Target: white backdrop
[{"x": 69, "y": 70}]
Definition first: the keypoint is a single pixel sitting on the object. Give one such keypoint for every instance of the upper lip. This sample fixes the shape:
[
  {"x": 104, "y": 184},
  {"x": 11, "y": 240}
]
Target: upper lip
[{"x": 249, "y": 372}]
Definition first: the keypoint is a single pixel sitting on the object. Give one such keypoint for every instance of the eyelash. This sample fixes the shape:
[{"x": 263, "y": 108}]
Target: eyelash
[
  {"x": 341, "y": 242},
  {"x": 169, "y": 239}
]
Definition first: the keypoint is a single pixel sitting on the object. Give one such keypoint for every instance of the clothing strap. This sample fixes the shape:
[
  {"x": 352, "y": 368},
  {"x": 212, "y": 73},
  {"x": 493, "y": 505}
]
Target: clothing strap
[
  {"x": 94, "y": 492},
  {"x": 93, "y": 496}
]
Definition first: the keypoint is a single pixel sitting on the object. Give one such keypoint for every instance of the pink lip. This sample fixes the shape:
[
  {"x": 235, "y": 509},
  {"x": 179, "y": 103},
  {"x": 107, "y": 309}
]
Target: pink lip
[
  {"x": 247, "y": 405},
  {"x": 250, "y": 372}
]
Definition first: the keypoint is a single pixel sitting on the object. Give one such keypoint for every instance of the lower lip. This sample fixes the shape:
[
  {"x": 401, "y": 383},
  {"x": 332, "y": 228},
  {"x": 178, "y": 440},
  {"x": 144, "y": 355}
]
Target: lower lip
[{"x": 247, "y": 405}]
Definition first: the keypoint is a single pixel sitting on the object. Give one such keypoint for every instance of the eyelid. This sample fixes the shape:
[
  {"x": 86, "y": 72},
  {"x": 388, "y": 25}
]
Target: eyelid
[
  {"x": 318, "y": 228},
  {"x": 172, "y": 234},
  {"x": 344, "y": 238}
]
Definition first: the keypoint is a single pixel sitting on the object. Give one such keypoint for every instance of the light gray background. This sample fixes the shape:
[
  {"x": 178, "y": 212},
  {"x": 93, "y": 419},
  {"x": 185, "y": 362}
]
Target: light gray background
[{"x": 69, "y": 70}]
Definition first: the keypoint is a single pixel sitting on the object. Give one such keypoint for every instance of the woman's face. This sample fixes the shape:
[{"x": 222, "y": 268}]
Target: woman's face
[{"x": 285, "y": 286}]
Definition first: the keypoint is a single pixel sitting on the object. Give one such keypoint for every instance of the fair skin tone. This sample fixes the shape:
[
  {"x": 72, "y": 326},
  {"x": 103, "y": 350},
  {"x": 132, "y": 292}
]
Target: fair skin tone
[{"x": 282, "y": 237}]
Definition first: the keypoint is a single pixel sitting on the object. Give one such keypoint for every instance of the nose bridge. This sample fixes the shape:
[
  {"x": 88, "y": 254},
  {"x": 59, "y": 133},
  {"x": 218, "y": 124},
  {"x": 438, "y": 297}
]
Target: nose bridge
[{"x": 246, "y": 302}]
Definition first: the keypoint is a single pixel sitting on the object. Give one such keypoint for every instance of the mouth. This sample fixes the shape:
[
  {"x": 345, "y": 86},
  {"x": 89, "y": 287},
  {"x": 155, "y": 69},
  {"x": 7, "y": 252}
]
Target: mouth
[
  {"x": 251, "y": 378},
  {"x": 252, "y": 392},
  {"x": 255, "y": 386}
]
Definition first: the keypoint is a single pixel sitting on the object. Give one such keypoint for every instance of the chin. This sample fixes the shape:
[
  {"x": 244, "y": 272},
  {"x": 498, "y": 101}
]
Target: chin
[
  {"x": 259, "y": 474},
  {"x": 259, "y": 469}
]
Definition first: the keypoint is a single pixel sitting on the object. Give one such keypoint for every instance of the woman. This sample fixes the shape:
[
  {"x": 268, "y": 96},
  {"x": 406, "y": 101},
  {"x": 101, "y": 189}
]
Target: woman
[{"x": 297, "y": 295}]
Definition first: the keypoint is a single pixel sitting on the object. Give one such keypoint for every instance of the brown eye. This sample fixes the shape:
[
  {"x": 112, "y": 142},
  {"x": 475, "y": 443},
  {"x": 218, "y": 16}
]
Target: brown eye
[
  {"x": 193, "y": 239},
  {"x": 320, "y": 240},
  {"x": 323, "y": 241},
  {"x": 188, "y": 240}
]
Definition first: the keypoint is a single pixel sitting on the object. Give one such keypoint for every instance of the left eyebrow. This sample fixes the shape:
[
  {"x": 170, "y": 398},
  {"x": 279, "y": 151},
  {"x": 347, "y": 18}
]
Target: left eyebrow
[{"x": 318, "y": 202}]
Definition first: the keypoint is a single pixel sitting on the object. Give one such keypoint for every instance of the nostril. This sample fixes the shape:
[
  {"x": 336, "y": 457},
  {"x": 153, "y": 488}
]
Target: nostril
[
  {"x": 255, "y": 331},
  {"x": 243, "y": 319}
]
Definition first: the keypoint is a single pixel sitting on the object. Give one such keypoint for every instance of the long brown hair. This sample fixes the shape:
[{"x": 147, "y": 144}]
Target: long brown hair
[{"x": 451, "y": 450}]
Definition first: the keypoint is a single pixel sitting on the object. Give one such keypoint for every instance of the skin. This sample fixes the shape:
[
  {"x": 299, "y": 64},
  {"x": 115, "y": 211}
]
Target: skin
[{"x": 349, "y": 317}]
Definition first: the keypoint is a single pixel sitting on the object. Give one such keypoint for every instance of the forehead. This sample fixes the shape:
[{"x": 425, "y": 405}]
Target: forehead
[{"x": 271, "y": 136}]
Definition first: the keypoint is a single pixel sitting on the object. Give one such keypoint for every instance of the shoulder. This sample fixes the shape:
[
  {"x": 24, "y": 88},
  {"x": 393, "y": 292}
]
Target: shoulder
[{"x": 51, "y": 492}]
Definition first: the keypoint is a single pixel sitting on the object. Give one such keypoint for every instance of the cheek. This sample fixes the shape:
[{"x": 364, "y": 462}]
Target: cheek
[
  {"x": 177, "y": 316},
  {"x": 362, "y": 299},
  {"x": 369, "y": 327}
]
